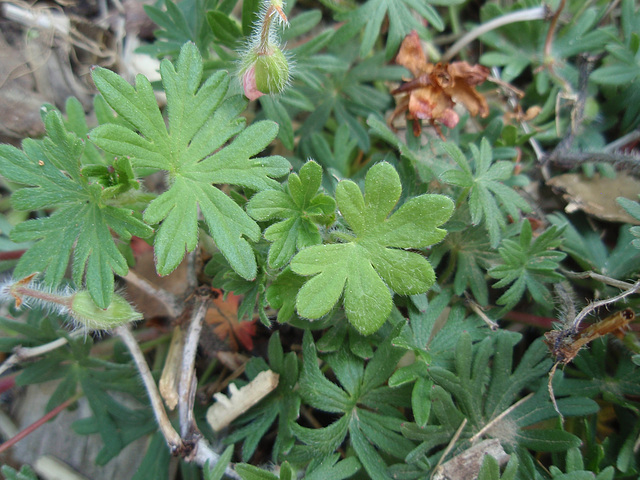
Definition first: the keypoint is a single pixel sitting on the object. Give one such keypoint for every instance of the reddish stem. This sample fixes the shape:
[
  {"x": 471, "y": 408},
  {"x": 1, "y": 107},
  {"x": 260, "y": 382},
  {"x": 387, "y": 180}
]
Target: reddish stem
[
  {"x": 38, "y": 423},
  {"x": 552, "y": 30},
  {"x": 7, "y": 383},
  {"x": 529, "y": 319}
]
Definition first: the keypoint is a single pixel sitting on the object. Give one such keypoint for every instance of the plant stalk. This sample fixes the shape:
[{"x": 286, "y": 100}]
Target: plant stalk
[
  {"x": 537, "y": 13},
  {"x": 170, "y": 435},
  {"x": 187, "y": 385}
]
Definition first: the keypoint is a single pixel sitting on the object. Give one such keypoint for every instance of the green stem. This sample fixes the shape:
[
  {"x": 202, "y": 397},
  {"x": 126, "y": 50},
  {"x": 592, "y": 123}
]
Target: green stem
[{"x": 455, "y": 19}]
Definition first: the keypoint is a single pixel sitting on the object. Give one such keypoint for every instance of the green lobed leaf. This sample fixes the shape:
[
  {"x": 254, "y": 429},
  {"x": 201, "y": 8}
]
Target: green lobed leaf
[
  {"x": 486, "y": 190},
  {"x": 192, "y": 151},
  {"x": 373, "y": 262},
  {"x": 300, "y": 207},
  {"x": 316, "y": 389},
  {"x": 328, "y": 468},
  {"x": 225, "y": 30},
  {"x": 528, "y": 265},
  {"x": 249, "y": 472},
  {"x": 547, "y": 440},
  {"x": 81, "y": 225}
]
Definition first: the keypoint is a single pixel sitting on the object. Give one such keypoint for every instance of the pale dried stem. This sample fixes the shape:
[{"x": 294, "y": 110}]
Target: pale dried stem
[
  {"x": 20, "y": 354},
  {"x": 601, "y": 303},
  {"x": 622, "y": 141},
  {"x": 537, "y": 13},
  {"x": 202, "y": 451},
  {"x": 450, "y": 446},
  {"x": 204, "y": 454},
  {"x": 187, "y": 385},
  {"x": 552, "y": 372},
  {"x": 169, "y": 379},
  {"x": 478, "y": 311},
  {"x": 43, "y": 18},
  {"x": 499, "y": 417},
  {"x": 622, "y": 285},
  {"x": 170, "y": 435}
]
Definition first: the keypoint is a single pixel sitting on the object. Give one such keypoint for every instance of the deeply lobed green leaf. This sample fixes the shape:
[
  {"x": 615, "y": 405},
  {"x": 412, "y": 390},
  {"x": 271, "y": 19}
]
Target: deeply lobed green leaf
[
  {"x": 300, "y": 207},
  {"x": 192, "y": 151},
  {"x": 527, "y": 265},
  {"x": 82, "y": 222}
]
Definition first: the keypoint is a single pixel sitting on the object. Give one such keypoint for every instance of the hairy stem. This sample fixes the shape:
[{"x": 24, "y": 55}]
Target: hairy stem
[{"x": 600, "y": 303}]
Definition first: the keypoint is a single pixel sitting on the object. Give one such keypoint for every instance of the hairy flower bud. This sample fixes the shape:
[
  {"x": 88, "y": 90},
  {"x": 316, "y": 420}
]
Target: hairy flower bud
[
  {"x": 76, "y": 304},
  {"x": 272, "y": 72},
  {"x": 265, "y": 73},
  {"x": 264, "y": 68},
  {"x": 87, "y": 314}
]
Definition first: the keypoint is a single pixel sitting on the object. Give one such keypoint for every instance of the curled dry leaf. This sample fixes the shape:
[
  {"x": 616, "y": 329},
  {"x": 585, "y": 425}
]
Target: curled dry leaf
[
  {"x": 222, "y": 316},
  {"x": 435, "y": 88}
]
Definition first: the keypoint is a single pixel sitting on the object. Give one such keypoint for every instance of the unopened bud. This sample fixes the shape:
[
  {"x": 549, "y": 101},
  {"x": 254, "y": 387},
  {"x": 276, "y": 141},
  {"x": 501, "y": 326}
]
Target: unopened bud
[
  {"x": 272, "y": 72},
  {"x": 265, "y": 73},
  {"x": 87, "y": 314}
]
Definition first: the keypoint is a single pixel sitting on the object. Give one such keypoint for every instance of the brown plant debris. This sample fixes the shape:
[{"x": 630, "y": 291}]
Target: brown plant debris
[
  {"x": 566, "y": 343},
  {"x": 435, "y": 88}
]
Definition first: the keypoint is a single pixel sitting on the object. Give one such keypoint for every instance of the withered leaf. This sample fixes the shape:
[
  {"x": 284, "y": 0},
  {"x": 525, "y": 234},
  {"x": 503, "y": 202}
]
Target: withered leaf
[
  {"x": 223, "y": 317},
  {"x": 435, "y": 88}
]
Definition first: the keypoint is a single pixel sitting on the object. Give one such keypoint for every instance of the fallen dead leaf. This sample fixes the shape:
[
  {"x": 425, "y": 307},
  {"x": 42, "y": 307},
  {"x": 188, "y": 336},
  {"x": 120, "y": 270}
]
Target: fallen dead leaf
[
  {"x": 467, "y": 464},
  {"x": 597, "y": 195},
  {"x": 223, "y": 317}
]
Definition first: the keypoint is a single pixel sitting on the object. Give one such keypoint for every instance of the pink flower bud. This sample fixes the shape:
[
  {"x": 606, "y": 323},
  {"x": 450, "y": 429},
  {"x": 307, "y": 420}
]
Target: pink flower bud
[{"x": 249, "y": 84}]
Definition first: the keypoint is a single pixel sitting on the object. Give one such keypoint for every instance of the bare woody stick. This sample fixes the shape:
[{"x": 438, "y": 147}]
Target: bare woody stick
[
  {"x": 201, "y": 450},
  {"x": 171, "y": 436},
  {"x": 20, "y": 354},
  {"x": 186, "y": 387}
]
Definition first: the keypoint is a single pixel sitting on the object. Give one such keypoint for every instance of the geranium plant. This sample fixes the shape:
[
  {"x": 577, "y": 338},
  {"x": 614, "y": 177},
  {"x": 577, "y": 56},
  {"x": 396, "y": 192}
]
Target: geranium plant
[{"x": 362, "y": 215}]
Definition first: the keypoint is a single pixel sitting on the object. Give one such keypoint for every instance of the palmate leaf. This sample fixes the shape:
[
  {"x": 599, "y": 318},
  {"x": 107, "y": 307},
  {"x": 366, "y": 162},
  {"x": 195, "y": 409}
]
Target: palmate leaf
[
  {"x": 400, "y": 17},
  {"x": 82, "y": 222},
  {"x": 200, "y": 123},
  {"x": 485, "y": 188},
  {"x": 528, "y": 265},
  {"x": 374, "y": 261},
  {"x": 481, "y": 385},
  {"x": 586, "y": 246},
  {"x": 370, "y": 409},
  {"x": 300, "y": 207},
  {"x": 342, "y": 86}
]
